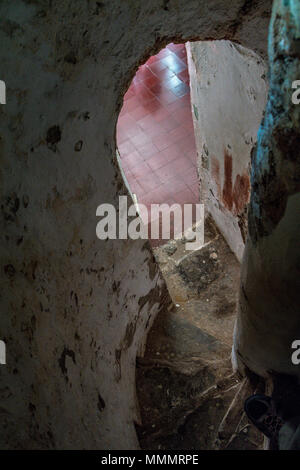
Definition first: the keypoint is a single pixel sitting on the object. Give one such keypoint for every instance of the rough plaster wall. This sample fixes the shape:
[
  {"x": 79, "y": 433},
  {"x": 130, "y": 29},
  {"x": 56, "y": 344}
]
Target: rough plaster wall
[
  {"x": 228, "y": 96},
  {"x": 268, "y": 320},
  {"x": 74, "y": 310}
]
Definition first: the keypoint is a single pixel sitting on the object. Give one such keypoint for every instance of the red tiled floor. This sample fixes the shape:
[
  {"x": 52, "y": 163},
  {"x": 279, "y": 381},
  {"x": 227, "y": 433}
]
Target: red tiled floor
[
  {"x": 132, "y": 160},
  {"x": 155, "y": 134}
]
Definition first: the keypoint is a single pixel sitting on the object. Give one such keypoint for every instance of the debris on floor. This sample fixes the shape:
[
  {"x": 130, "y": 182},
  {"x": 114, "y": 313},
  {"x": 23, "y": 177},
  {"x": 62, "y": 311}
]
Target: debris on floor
[{"x": 188, "y": 395}]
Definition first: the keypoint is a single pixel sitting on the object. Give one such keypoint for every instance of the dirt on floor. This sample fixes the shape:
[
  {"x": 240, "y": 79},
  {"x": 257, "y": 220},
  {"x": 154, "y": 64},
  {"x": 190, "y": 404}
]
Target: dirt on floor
[{"x": 189, "y": 397}]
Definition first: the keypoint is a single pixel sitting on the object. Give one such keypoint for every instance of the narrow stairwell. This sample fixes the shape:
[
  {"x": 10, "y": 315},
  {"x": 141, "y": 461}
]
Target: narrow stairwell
[{"x": 189, "y": 397}]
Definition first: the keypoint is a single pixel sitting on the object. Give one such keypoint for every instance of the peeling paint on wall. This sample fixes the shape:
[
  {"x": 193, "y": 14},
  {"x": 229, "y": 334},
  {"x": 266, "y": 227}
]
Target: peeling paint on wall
[{"x": 270, "y": 282}]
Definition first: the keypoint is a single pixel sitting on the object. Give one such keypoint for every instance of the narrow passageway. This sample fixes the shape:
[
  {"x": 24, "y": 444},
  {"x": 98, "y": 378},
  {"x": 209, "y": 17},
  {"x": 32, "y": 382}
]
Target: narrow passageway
[
  {"x": 189, "y": 397},
  {"x": 155, "y": 134}
]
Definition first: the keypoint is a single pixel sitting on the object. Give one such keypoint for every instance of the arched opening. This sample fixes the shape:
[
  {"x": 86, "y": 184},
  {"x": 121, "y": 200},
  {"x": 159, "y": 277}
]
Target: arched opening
[
  {"x": 155, "y": 134},
  {"x": 184, "y": 135}
]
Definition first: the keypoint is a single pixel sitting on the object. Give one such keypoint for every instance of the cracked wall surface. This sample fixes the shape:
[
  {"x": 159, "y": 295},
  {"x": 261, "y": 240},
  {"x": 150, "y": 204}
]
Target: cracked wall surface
[{"x": 75, "y": 310}]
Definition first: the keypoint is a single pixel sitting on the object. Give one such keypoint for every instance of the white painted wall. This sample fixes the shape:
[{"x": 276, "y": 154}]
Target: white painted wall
[{"x": 228, "y": 96}]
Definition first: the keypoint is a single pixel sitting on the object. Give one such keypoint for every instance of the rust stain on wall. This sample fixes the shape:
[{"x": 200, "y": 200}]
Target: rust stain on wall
[
  {"x": 227, "y": 188},
  {"x": 241, "y": 192},
  {"x": 236, "y": 197}
]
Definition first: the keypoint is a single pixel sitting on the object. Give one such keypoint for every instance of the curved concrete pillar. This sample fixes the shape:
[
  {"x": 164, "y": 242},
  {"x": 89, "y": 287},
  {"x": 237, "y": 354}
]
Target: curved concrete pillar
[{"x": 269, "y": 308}]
